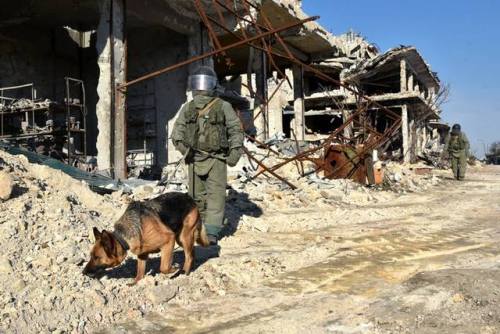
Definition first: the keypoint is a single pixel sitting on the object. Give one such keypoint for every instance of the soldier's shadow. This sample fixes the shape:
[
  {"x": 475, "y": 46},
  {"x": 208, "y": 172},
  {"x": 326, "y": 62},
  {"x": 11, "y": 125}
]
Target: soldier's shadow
[{"x": 238, "y": 204}]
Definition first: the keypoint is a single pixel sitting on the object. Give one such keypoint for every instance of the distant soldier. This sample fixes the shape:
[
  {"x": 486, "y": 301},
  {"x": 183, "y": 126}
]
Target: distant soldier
[
  {"x": 457, "y": 148},
  {"x": 209, "y": 133}
]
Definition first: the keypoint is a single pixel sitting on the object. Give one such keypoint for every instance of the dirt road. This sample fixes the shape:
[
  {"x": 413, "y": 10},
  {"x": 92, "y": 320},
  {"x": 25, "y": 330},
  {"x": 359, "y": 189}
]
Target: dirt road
[{"x": 419, "y": 263}]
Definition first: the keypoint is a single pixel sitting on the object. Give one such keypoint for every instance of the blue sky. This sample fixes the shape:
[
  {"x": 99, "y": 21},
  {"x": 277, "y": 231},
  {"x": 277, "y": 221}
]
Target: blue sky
[{"x": 460, "y": 39}]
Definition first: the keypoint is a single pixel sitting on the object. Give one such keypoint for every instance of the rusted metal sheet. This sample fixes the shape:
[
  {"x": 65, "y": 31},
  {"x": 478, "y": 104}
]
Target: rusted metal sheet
[
  {"x": 422, "y": 170},
  {"x": 343, "y": 162}
]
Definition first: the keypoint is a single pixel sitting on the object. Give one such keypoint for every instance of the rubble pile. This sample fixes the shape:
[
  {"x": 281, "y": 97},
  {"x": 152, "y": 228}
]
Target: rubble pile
[
  {"x": 405, "y": 178},
  {"x": 312, "y": 189},
  {"x": 46, "y": 235},
  {"x": 273, "y": 197}
]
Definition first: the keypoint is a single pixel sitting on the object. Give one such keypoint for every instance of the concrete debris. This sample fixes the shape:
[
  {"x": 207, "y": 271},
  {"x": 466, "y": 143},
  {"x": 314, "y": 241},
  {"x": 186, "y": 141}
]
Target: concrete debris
[
  {"x": 6, "y": 185},
  {"x": 314, "y": 188},
  {"x": 406, "y": 178},
  {"x": 46, "y": 235},
  {"x": 5, "y": 266},
  {"x": 45, "y": 232}
]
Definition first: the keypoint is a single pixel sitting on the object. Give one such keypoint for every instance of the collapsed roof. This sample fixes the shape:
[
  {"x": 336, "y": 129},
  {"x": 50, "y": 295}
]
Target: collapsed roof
[{"x": 391, "y": 60}]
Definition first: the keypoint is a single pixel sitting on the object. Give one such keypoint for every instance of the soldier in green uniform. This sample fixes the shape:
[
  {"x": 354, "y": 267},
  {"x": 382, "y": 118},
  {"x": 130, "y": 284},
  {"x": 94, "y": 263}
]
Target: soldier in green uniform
[
  {"x": 209, "y": 133},
  {"x": 457, "y": 149}
]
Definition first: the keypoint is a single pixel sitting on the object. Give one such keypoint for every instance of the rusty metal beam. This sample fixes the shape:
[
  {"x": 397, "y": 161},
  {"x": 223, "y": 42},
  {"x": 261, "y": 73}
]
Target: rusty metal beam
[
  {"x": 215, "y": 52},
  {"x": 267, "y": 169},
  {"x": 315, "y": 149},
  {"x": 368, "y": 147}
]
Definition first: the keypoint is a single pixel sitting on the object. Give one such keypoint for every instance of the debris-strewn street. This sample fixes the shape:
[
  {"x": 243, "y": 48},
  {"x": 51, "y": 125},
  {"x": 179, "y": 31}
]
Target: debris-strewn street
[
  {"x": 426, "y": 262},
  {"x": 338, "y": 259},
  {"x": 249, "y": 166}
]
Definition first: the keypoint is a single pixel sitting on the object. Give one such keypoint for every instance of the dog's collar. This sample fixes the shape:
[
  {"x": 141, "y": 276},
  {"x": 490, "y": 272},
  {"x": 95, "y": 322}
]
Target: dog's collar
[{"x": 121, "y": 241}]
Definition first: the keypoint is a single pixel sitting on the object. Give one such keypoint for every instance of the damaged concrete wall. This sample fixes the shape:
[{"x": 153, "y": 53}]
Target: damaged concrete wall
[
  {"x": 154, "y": 102},
  {"x": 41, "y": 56},
  {"x": 44, "y": 56}
]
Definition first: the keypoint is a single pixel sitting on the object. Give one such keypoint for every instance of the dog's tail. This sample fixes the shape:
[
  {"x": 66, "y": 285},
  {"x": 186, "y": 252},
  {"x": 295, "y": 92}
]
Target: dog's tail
[{"x": 201, "y": 234}]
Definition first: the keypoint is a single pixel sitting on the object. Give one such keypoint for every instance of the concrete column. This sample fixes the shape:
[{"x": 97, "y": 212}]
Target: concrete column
[
  {"x": 418, "y": 134},
  {"x": 247, "y": 81},
  {"x": 298, "y": 101},
  {"x": 411, "y": 85},
  {"x": 119, "y": 59},
  {"x": 261, "y": 122},
  {"x": 111, "y": 61},
  {"x": 346, "y": 113},
  {"x": 403, "y": 76},
  {"x": 425, "y": 135},
  {"x": 275, "y": 107},
  {"x": 412, "y": 142},
  {"x": 104, "y": 88},
  {"x": 405, "y": 133}
]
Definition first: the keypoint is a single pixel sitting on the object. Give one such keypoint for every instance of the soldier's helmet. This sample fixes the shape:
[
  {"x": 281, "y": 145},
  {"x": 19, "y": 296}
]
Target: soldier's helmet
[
  {"x": 456, "y": 128},
  {"x": 204, "y": 78}
]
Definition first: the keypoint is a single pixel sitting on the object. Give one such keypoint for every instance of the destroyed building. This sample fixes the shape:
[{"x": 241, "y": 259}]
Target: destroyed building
[
  {"x": 298, "y": 79},
  {"x": 399, "y": 79}
]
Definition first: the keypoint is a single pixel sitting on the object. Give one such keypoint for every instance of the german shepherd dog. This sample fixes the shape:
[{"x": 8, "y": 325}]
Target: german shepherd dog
[{"x": 150, "y": 226}]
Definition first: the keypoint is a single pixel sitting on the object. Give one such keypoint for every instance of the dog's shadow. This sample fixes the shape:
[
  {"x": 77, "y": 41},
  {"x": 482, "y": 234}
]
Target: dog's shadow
[
  {"x": 238, "y": 204},
  {"x": 128, "y": 268}
]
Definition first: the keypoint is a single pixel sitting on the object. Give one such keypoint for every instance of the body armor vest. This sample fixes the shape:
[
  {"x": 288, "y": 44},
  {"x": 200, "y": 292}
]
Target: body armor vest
[
  {"x": 457, "y": 143},
  {"x": 208, "y": 134}
]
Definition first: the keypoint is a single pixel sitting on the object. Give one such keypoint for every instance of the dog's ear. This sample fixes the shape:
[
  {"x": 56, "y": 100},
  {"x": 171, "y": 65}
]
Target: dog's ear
[
  {"x": 97, "y": 234},
  {"x": 108, "y": 242}
]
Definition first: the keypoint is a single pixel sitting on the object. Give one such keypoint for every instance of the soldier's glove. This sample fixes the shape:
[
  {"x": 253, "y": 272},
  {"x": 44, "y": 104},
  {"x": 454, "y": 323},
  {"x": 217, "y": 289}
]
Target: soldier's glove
[{"x": 233, "y": 157}]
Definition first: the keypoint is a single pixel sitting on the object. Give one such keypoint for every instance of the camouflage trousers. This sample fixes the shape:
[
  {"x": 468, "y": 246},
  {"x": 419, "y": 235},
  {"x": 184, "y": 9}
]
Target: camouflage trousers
[
  {"x": 459, "y": 165},
  {"x": 209, "y": 192}
]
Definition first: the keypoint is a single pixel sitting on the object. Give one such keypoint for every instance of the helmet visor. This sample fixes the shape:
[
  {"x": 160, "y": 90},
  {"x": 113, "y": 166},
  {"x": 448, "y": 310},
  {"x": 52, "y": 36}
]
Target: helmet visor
[{"x": 201, "y": 82}]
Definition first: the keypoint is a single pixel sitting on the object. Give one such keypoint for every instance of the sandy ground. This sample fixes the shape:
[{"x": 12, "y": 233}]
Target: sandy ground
[
  {"x": 335, "y": 259},
  {"x": 420, "y": 263}
]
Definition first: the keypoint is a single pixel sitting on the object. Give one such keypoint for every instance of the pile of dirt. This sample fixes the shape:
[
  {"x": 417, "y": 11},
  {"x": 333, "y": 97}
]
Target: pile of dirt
[{"x": 409, "y": 178}]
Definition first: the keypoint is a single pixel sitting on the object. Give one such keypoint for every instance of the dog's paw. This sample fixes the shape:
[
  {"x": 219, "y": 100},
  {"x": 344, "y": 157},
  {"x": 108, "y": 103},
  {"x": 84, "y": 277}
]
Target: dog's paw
[
  {"x": 177, "y": 274},
  {"x": 169, "y": 271},
  {"x": 134, "y": 282}
]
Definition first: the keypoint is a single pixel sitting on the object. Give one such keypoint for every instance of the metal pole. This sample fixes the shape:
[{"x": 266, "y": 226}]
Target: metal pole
[
  {"x": 68, "y": 115},
  {"x": 267, "y": 169}
]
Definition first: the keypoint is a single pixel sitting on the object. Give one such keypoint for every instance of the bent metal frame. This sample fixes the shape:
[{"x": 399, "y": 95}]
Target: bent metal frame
[{"x": 261, "y": 36}]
